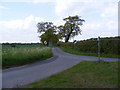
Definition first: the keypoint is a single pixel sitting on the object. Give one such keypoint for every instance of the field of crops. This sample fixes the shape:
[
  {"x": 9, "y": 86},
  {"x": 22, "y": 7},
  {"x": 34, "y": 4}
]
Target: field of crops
[{"x": 23, "y": 54}]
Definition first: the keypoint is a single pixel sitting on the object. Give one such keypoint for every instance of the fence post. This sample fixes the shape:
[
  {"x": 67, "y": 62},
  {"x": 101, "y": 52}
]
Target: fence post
[
  {"x": 74, "y": 42},
  {"x": 99, "y": 48}
]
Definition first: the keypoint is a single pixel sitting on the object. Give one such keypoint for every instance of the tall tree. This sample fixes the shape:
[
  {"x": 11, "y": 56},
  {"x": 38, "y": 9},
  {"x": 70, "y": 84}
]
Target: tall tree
[
  {"x": 71, "y": 27},
  {"x": 49, "y": 32}
]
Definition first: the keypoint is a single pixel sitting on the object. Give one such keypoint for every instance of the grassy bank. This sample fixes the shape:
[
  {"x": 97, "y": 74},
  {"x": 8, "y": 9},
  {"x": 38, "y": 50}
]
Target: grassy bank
[
  {"x": 109, "y": 47},
  {"x": 77, "y": 52},
  {"x": 86, "y": 74},
  {"x": 23, "y": 55}
]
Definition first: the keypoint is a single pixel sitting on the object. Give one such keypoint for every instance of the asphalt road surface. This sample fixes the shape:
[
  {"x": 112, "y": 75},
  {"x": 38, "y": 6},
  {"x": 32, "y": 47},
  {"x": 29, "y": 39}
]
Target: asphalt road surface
[{"x": 18, "y": 76}]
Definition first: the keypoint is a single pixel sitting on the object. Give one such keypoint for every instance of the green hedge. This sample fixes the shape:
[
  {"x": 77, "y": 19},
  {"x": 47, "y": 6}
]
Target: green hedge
[{"x": 109, "y": 45}]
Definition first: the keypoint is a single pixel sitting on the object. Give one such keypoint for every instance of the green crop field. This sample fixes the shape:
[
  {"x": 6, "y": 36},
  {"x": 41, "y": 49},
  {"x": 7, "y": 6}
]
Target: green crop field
[{"x": 23, "y": 54}]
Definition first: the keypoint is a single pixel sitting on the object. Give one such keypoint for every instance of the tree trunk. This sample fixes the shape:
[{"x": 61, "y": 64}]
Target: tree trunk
[
  {"x": 68, "y": 36},
  {"x": 47, "y": 43}
]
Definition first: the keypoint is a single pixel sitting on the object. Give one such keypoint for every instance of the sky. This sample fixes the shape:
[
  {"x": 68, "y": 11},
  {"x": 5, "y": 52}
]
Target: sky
[{"x": 18, "y": 18}]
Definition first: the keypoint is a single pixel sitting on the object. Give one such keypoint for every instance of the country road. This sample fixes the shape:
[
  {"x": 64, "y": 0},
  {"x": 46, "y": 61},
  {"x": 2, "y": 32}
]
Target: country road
[{"x": 16, "y": 77}]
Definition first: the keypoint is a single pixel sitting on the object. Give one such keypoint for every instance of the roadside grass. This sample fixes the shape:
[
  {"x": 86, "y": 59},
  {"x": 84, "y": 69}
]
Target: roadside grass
[
  {"x": 86, "y": 74},
  {"x": 12, "y": 57},
  {"x": 74, "y": 51}
]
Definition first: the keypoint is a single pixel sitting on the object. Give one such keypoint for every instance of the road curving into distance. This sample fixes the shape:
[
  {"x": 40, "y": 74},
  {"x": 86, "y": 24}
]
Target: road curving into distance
[{"x": 18, "y": 76}]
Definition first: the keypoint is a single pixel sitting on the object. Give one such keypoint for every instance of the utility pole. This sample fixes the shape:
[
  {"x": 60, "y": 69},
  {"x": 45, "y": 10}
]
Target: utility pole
[{"x": 99, "y": 48}]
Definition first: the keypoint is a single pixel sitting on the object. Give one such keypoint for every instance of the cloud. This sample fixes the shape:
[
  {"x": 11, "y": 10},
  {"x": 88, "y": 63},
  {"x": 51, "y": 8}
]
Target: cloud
[
  {"x": 81, "y": 6},
  {"x": 62, "y": 6},
  {"x": 21, "y": 23},
  {"x": 3, "y": 7},
  {"x": 100, "y": 15},
  {"x": 20, "y": 30},
  {"x": 29, "y": 1},
  {"x": 76, "y": 7},
  {"x": 110, "y": 25},
  {"x": 110, "y": 11},
  {"x": 95, "y": 29}
]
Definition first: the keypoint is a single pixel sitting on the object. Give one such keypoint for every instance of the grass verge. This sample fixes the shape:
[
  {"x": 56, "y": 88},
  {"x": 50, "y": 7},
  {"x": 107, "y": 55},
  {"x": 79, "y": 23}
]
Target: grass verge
[
  {"x": 73, "y": 51},
  {"x": 86, "y": 74}
]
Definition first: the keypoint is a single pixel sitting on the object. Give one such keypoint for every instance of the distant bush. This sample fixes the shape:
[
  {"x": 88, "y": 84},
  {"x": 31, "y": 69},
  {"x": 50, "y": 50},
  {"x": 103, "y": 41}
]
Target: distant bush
[
  {"x": 13, "y": 45},
  {"x": 66, "y": 45}
]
